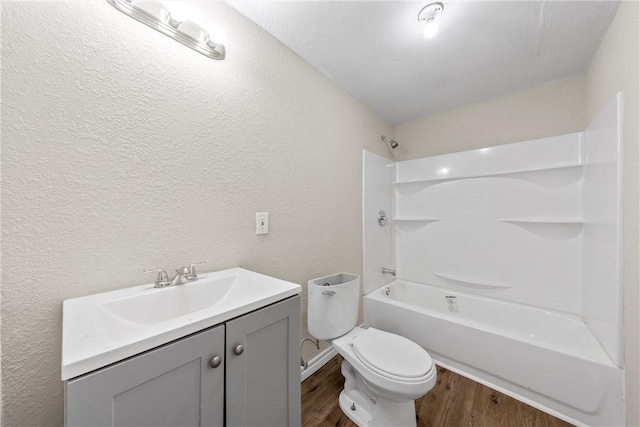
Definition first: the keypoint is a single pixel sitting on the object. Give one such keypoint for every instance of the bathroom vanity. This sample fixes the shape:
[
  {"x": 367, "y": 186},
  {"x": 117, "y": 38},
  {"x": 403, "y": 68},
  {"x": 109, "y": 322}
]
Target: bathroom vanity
[{"x": 234, "y": 362}]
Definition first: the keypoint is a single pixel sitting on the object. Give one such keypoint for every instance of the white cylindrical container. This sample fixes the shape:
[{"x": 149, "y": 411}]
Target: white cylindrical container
[{"x": 333, "y": 305}]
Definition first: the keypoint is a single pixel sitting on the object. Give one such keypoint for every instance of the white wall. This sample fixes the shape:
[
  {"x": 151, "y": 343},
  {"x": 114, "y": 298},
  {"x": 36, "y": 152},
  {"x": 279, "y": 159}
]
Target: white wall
[
  {"x": 123, "y": 150},
  {"x": 556, "y": 108},
  {"x": 615, "y": 67}
]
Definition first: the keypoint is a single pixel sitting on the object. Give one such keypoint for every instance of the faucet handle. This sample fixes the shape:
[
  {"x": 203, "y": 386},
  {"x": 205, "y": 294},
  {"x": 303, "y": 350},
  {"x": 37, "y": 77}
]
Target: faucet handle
[
  {"x": 192, "y": 269},
  {"x": 162, "y": 279}
]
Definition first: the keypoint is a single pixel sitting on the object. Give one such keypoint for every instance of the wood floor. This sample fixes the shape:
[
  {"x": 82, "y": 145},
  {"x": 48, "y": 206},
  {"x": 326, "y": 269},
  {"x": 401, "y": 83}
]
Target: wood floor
[{"x": 455, "y": 401}]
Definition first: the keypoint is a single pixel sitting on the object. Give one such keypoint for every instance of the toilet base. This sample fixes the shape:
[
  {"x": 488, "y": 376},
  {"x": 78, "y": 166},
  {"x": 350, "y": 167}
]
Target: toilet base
[{"x": 366, "y": 411}]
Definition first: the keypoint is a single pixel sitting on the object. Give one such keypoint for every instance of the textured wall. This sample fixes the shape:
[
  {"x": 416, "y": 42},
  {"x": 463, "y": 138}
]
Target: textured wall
[
  {"x": 615, "y": 67},
  {"x": 123, "y": 150},
  {"x": 552, "y": 109}
]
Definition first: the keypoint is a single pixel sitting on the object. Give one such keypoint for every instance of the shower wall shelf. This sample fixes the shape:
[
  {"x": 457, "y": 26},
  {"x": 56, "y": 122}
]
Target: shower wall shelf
[
  {"x": 417, "y": 219},
  {"x": 471, "y": 282},
  {"x": 548, "y": 228},
  {"x": 543, "y": 221},
  {"x": 569, "y": 168}
]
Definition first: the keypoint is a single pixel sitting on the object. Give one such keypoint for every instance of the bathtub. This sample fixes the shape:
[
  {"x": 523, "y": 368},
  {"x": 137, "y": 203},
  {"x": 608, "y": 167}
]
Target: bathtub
[{"x": 547, "y": 359}]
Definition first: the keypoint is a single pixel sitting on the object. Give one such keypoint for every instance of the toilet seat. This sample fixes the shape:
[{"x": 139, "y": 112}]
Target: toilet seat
[
  {"x": 392, "y": 356},
  {"x": 383, "y": 372},
  {"x": 378, "y": 371}
]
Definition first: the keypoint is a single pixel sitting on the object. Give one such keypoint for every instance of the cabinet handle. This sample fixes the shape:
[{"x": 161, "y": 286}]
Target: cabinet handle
[
  {"x": 215, "y": 362},
  {"x": 238, "y": 350}
]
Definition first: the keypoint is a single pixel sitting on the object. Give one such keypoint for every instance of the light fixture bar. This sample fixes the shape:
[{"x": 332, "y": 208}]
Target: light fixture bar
[{"x": 156, "y": 15}]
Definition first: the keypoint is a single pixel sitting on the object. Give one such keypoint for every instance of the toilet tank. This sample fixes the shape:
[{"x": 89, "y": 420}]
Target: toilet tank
[{"x": 333, "y": 305}]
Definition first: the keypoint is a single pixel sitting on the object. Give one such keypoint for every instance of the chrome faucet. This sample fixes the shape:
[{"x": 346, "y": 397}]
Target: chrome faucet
[
  {"x": 388, "y": 271},
  {"x": 183, "y": 275}
]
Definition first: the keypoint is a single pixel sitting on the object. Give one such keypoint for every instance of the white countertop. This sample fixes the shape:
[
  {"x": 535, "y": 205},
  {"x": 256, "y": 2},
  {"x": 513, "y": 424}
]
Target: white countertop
[{"x": 101, "y": 329}]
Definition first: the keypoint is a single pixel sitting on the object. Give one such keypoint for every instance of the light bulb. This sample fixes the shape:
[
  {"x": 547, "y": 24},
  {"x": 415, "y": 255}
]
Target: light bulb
[
  {"x": 193, "y": 30},
  {"x": 218, "y": 35},
  {"x": 153, "y": 8},
  {"x": 430, "y": 28}
]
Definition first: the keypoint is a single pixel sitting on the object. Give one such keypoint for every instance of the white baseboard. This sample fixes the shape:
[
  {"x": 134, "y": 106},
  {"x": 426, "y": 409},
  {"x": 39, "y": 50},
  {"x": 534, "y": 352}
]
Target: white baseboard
[{"x": 317, "y": 362}]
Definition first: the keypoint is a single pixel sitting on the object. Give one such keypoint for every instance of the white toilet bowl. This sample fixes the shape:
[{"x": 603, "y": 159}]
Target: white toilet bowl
[{"x": 384, "y": 372}]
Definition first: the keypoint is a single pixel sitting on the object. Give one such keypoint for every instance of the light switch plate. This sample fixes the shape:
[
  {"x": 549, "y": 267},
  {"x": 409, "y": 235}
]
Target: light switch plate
[{"x": 262, "y": 223}]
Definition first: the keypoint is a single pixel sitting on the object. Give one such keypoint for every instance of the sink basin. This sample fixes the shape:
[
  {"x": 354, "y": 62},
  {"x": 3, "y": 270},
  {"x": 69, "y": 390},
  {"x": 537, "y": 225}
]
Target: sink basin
[
  {"x": 160, "y": 305},
  {"x": 101, "y": 329}
]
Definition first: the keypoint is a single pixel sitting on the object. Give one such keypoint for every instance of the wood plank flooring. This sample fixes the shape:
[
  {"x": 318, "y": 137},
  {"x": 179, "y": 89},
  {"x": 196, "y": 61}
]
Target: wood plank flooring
[{"x": 455, "y": 401}]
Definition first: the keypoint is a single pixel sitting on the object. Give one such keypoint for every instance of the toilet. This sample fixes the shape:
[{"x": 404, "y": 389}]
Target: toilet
[{"x": 384, "y": 372}]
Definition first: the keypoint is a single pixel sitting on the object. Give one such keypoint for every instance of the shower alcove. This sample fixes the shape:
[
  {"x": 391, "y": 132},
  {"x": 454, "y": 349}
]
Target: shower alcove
[{"x": 508, "y": 265}]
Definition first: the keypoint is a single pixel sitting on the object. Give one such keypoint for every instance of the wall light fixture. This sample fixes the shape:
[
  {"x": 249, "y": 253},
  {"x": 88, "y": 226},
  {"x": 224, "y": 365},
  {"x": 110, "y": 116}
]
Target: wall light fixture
[
  {"x": 428, "y": 15},
  {"x": 156, "y": 15}
]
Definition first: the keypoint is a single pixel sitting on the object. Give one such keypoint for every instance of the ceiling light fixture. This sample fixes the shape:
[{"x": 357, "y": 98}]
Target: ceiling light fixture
[
  {"x": 156, "y": 15},
  {"x": 428, "y": 15}
]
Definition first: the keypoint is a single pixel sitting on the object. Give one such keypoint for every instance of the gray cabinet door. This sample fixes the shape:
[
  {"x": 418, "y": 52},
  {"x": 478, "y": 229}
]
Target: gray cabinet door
[
  {"x": 173, "y": 385},
  {"x": 263, "y": 383}
]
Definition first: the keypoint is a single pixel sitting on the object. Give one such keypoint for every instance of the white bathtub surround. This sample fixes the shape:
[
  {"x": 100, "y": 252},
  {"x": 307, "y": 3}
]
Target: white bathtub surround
[
  {"x": 508, "y": 216},
  {"x": 377, "y": 195},
  {"x": 512, "y": 257},
  {"x": 602, "y": 241}
]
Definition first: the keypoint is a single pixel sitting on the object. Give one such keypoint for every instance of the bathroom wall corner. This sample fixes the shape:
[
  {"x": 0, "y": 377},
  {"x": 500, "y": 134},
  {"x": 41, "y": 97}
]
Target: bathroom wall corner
[
  {"x": 377, "y": 234},
  {"x": 616, "y": 67}
]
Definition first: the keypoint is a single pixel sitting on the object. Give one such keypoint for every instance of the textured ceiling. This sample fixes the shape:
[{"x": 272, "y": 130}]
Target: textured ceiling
[{"x": 376, "y": 50}]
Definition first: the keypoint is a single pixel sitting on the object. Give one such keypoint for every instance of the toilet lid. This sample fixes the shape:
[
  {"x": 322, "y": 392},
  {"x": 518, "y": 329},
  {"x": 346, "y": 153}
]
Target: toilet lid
[{"x": 392, "y": 354}]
